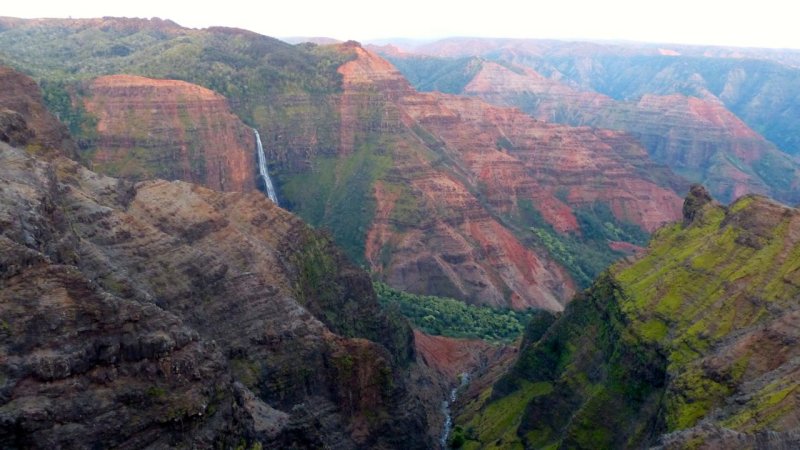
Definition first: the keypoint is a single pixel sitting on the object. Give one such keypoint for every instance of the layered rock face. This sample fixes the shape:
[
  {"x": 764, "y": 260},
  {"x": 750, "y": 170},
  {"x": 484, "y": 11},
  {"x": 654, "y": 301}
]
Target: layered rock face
[
  {"x": 430, "y": 229},
  {"x": 693, "y": 344},
  {"x": 456, "y": 170},
  {"x": 24, "y": 120},
  {"x": 711, "y": 116},
  {"x": 148, "y": 128},
  {"x": 166, "y": 314}
]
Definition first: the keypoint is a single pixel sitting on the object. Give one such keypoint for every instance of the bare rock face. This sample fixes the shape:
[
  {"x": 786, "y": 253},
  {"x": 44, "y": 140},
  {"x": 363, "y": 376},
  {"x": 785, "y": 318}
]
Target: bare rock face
[
  {"x": 714, "y": 436},
  {"x": 148, "y": 128},
  {"x": 167, "y": 314},
  {"x": 24, "y": 120},
  {"x": 459, "y": 165}
]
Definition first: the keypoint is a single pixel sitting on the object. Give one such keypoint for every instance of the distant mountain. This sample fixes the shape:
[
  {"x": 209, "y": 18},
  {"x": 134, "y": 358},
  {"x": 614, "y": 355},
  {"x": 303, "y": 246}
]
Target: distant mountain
[
  {"x": 714, "y": 116},
  {"x": 690, "y": 345},
  {"x": 311, "y": 40}
]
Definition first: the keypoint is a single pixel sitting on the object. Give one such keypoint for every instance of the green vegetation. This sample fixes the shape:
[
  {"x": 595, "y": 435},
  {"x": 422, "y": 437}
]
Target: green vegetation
[
  {"x": 581, "y": 381},
  {"x": 337, "y": 194},
  {"x": 156, "y": 392},
  {"x": 341, "y": 297},
  {"x": 81, "y": 124},
  {"x": 453, "y": 318},
  {"x": 586, "y": 254}
]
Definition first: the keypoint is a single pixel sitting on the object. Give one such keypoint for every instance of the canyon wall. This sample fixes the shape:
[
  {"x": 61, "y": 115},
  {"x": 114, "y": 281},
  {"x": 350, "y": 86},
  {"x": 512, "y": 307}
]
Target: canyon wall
[{"x": 148, "y": 128}]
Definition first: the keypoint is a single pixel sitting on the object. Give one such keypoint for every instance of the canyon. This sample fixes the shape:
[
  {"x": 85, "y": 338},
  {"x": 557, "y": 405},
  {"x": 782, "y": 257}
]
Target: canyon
[
  {"x": 434, "y": 194},
  {"x": 151, "y": 296},
  {"x": 448, "y": 172}
]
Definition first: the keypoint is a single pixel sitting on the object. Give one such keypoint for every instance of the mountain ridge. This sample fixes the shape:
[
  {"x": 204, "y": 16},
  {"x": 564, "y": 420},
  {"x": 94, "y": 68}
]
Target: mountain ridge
[{"x": 670, "y": 342}]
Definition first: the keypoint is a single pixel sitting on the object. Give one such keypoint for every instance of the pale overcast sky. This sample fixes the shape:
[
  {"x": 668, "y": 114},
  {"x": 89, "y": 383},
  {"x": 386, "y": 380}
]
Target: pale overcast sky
[{"x": 765, "y": 23}]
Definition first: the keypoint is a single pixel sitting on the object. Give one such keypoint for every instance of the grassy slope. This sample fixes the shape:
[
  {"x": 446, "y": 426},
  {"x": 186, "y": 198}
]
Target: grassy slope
[{"x": 630, "y": 358}]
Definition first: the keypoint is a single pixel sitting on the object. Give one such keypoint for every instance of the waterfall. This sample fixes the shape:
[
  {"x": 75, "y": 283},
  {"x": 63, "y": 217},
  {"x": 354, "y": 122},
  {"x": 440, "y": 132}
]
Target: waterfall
[
  {"x": 448, "y": 420},
  {"x": 262, "y": 169}
]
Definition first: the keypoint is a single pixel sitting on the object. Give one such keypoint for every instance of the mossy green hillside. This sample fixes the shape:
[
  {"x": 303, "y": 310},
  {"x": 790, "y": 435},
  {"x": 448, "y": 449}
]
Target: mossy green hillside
[
  {"x": 662, "y": 343},
  {"x": 337, "y": 194},
  {"x": 592, "y": 365}
]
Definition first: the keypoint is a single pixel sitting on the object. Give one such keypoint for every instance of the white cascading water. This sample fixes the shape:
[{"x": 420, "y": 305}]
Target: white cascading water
[
  {"x": 448, "y": 420},
  {"x": 262, "y": 170}
]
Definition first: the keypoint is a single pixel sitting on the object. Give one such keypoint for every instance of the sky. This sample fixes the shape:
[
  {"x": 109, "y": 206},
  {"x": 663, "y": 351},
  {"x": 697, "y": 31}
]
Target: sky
[{"x": 765, "y": 23}]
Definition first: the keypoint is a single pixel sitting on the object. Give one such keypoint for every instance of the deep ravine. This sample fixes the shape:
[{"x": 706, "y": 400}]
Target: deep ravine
[{"x": 448, "y": 419}]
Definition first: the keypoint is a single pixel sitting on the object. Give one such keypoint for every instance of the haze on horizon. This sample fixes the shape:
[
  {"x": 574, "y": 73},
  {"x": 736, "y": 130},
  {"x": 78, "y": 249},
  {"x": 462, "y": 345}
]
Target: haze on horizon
[{"x": 768, "y": 23}]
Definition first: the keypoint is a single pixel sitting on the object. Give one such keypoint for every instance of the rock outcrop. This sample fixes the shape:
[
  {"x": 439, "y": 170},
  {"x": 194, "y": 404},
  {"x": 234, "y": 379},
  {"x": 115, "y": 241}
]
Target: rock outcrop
[{"x": 148, "y": 128}]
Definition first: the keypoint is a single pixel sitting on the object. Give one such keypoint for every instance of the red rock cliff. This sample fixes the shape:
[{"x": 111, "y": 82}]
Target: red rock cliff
[
  {"x": 464, "y": 164},
  {"x": 170, "y": 129}
]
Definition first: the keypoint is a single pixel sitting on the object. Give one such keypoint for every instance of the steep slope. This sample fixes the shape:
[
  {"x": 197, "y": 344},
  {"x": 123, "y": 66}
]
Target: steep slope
[
  {"x": 439, "y": 181},
  {"x": 698, "y": 137},
  {"x": 147, "y": 128},
  {"x": 696, "y": 339},
  {"x": 24, "y": 119},
  {"x": 759, "y": 92},
  {"x": 167, "y": 314}
]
